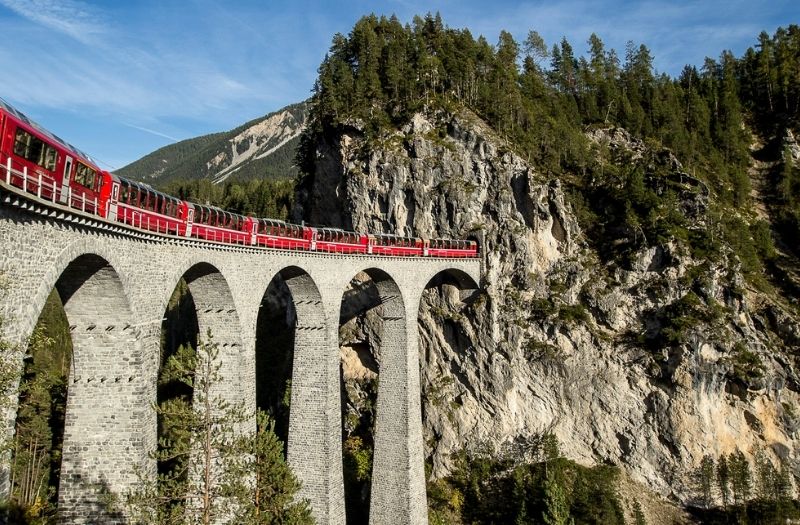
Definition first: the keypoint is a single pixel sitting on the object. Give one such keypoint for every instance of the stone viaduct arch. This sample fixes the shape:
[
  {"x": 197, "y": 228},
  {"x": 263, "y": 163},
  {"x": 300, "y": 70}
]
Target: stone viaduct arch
[{"x": 116, "y": 284}]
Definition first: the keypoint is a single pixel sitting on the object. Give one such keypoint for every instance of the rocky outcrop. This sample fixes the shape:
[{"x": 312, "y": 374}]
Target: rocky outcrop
[
  {"x": 650, "y": 366},
  {"x": 791, "y": 148}
]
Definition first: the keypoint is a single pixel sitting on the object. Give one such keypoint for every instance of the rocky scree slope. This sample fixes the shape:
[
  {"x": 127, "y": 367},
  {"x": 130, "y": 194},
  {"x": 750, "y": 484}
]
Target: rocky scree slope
[
  {"x": 261, "y": 148},
  {"x": 648, "y": 367}
]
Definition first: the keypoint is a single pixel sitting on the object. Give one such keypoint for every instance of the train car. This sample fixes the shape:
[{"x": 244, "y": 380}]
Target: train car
[
  {"x": 335, "y": 240},
  {"x": 385, "y": 244},
  {"x": 37, "y": 162},
  {"x": 142, "y": 206},
  {"x": 42, "y": 164},
  {"x": 450, "y": 248},
  {"x": 215, "y": 224},
  {"x": 272, "y": 233}
]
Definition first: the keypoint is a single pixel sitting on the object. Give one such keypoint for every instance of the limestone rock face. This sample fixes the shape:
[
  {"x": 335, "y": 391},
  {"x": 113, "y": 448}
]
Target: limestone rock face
[{"x": 555, "y": 340}]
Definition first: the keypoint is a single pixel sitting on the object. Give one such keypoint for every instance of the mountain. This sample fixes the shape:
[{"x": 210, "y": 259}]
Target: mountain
[
  {"x": 637, "y": 319},
  {"x": 262, "y": 148}
]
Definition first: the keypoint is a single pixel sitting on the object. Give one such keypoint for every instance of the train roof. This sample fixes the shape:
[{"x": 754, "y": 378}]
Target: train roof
[{"x": 19, "y": 115}]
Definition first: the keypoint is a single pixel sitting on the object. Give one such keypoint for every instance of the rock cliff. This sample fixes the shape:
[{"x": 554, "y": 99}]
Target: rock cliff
[{"x": 648, "y": 366}]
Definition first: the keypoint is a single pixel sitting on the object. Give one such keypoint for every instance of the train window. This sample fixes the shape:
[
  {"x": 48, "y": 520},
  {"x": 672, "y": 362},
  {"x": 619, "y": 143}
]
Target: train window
[
  {"x": 48, "y": 158},
  {"x": 35, "y": 150},
  {"x": 84, "y": 175}
]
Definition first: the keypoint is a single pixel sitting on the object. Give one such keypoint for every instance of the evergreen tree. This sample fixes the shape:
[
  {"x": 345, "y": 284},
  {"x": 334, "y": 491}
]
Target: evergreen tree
[
  {"x": 555, "y": 500},
  {"x": 705, "y": 477},
  {"x": 724, "y": 480},
  {"x": 268, "y": 493},
  {"x": 218, "y": 472},
  {"x": 741, "y": 482}
]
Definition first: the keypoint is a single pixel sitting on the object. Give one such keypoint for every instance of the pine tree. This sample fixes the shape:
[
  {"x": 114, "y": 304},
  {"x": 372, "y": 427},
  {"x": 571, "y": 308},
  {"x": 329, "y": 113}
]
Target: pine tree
[
  {"x": 705, "y": 477},
  {"x": 723, "y": 480},
  {"x": 556, "y": 510},
  {"x": 741, "y": 481},
  {"x": 217, "y": 472},
  {"x": 269, "y": 499}
]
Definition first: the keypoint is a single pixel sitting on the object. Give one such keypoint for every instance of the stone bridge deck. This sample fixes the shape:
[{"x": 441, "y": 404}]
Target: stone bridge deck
[{"x": 115, "y": 284}]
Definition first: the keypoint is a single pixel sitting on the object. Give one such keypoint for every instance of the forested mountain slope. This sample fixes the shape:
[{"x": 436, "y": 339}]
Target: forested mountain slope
[
  {"x": 263, "y": 148},
  {"x": 639, "y": 236}
]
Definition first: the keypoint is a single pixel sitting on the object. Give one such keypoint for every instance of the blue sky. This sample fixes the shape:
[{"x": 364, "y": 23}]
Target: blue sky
[{"x": 120, "y": 79}]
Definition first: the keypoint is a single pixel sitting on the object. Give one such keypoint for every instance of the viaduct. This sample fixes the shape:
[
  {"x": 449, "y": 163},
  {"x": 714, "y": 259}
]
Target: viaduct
[{"x": 115, "y": 284}]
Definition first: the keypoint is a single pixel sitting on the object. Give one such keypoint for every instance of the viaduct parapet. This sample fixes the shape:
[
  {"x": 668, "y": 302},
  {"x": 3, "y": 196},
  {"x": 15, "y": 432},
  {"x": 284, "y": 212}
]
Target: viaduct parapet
[{"x": 115, "y": 284}]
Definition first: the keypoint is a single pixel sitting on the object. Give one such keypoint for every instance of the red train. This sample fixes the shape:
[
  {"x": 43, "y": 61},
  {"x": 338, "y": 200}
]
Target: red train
[{"x": 36, "y": 161}]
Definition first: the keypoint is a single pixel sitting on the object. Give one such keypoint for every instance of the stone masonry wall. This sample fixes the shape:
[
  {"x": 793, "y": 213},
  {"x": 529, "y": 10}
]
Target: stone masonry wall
[{"x": 117, "y": 286}]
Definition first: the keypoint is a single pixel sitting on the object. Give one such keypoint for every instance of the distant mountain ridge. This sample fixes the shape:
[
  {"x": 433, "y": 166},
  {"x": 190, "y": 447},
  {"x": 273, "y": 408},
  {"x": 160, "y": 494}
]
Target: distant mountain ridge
[{"x": 262, "y": 148}]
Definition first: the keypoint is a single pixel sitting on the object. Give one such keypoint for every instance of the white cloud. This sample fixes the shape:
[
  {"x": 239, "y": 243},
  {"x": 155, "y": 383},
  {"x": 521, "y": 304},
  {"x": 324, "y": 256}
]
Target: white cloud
[
  {"x": 151, "y": 131},
  {"x": 70, "y": 17}
]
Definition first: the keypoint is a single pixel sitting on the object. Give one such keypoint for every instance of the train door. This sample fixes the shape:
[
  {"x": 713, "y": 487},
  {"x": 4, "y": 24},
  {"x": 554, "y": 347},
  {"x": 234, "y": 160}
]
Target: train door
[
  {"x": 65, "y": 181},
  {"x": 189, "y": 220},
  {"x": 253, "y": 230},
  {"x": 111, "y": 212}
]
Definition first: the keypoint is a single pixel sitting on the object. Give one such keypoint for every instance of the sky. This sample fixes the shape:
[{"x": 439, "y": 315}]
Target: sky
[{"x": 122, "y": 78}]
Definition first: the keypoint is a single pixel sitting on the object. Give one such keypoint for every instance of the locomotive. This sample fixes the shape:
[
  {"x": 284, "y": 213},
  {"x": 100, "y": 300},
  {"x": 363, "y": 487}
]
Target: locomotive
[{"x": 37, "y": 162}]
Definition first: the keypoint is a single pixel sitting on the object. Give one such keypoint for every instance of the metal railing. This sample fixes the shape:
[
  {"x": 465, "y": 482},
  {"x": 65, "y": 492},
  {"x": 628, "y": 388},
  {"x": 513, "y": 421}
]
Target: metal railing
[{"x": 46, "y": 188}]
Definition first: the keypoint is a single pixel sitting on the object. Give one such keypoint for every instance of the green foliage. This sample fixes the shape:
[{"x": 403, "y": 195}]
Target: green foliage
[
  {"x": 382, "y": 72},
  {"x": 705, "y": 481},
  {"x": 358, "y": 459},
  {"x": 679, "y": 318},
  {"x": 218, "y": 472},
  {"x": 573, "y": 313},
  {"x": 271, "y": 499},
  {"x": 190, "y": 159},
  {"x": 724, "y": 480},
  {"x": 36, "y": 448},
  {"x": 556, "y": 511},
  {"x": 773, "y": 504},
  {"x": 491, "y": 488},
  {"x": 261, "y": 198},
  {"x": 741, "y": 482},
  {"x": 357, "y": 448},
  {"x": 746, "y": 365}
]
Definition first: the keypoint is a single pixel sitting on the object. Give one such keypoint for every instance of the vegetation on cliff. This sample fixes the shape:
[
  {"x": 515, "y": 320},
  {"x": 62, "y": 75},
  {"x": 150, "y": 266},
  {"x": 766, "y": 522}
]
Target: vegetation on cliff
[
  {"x": 383, "y": 72},
  {"x": 212, "y": 470},
  {"x": 685, "y": 190}
]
